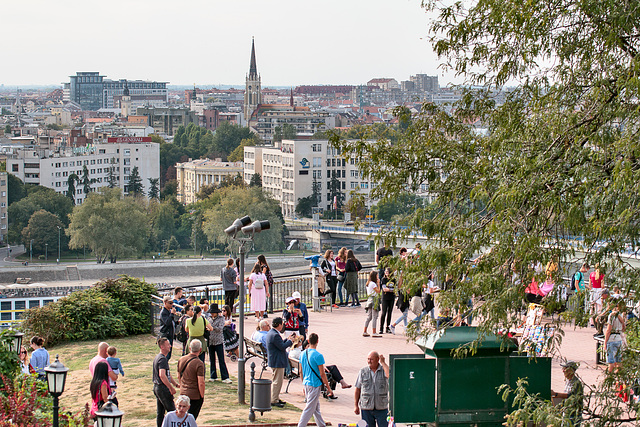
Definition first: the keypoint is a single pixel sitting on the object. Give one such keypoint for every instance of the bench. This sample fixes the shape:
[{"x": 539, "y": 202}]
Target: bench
[
  {"x": 256, "y": 349},
  {"x": 295, "y": 372}
]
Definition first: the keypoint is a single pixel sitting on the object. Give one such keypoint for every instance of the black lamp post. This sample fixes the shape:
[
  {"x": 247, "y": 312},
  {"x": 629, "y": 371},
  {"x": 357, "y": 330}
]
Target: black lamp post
[
  {"x": 109, "y": 415},
  {"x": 16, "y": 342},
  {"x": 56, "y": 378}
]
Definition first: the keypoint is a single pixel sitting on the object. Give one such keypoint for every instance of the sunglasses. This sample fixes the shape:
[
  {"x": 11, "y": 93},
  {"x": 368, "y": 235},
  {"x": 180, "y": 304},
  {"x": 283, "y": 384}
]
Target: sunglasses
[{"x": 23, "y": 352}]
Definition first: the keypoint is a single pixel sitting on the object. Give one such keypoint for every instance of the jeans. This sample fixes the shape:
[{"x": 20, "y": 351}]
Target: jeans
[
  {"x": 372, "y": 316},
  {"x": 405, "y": 317},
  {"x": 387, "y": 308},
  {"x": 312, "y": 407},
  {"x": 340, "y": 285},
  {"x": 230, "y": 297},
  {"x": 164, "y": 402},
  {"x": 217, "y": 350},
  {"x": 376, "y": 415}
]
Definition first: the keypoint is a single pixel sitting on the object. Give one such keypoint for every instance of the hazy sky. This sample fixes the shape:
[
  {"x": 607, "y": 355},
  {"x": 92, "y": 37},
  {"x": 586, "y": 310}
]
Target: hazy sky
[{"x": 209, "y": 41}]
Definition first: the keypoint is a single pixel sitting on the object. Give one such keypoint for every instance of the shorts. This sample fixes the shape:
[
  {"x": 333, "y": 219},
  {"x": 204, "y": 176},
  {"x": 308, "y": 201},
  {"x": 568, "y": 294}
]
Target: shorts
[{"x": 614, "y": 351}]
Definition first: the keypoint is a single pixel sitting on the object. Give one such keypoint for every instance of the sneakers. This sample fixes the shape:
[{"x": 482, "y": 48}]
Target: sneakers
[
  {"x": 376, "y": 336},
  {"x": 388, "y": 329},
  {"x": 227, "y": 381},
  {"x": 212, "y": 380},
  {"x": 278, "y": 404},
  {"x": 364, "y": 334},
  {"x": 392, "y": 329},
  {"x": 335, "y": 305}
]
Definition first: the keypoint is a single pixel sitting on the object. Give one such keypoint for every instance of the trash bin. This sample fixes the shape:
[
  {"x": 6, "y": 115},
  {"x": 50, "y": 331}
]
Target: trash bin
[{"x": 261, "y": 395}]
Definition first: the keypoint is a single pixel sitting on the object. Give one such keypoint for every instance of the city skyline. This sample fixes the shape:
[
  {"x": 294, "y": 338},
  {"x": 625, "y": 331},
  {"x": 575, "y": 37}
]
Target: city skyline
[{"x": 208, "y": 43}]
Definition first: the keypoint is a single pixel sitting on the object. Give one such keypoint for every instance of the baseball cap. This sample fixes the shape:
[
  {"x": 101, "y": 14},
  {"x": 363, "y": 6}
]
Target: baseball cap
[
  {"x": 289, "y": 299},
  {"x": 296, "y": 295}
]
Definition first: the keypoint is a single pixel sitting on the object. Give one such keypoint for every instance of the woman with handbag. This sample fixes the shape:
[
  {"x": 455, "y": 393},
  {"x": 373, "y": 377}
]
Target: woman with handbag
[
  {"x": 99, "y": 388},
  {"x": 197, "y": 327},
  {"x": 328, "y": 267},
  {"x": 372, "y": 306},
  {"x": 341, "y": 264},
  {"x": 351, "y": 282}
]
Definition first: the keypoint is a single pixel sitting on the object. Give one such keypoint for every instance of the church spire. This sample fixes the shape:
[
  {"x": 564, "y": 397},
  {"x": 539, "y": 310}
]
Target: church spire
[{"x": 253, "y": 68}]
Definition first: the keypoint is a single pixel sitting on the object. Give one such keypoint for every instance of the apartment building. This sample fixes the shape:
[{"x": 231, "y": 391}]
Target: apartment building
[
  {"x": 4, "y": 203},
  {"x": 52, "y": 169},
  {"x": 290, "y": 169},
  {"x": 195, "y": 174}
]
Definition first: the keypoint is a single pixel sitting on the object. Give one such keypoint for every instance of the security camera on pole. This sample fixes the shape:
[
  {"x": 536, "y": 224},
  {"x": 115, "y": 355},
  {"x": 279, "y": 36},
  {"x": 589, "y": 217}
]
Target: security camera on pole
[{"x": 250, "y": 229}]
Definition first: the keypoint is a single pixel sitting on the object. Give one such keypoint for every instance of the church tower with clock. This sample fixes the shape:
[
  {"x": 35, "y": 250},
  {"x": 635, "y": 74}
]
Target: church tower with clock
[{"x": 252, "y": 93}]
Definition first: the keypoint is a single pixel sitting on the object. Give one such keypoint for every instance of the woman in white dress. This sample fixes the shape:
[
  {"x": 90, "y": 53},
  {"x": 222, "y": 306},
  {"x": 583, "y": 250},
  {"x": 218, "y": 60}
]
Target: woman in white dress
[{"x": 259, "y": 290}]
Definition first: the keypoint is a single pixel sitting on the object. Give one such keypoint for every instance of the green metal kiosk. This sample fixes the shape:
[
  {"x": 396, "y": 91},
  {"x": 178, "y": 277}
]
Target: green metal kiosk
[{"x": 440, "y": 390}]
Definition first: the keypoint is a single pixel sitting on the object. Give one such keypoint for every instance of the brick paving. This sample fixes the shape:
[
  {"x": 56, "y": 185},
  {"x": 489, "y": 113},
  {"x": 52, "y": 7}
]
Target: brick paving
[{"x": 342, "y": 344}]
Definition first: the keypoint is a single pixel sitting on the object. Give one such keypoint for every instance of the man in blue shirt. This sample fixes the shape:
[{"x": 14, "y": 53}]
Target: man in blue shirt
[{"x": 313, "y": 377}]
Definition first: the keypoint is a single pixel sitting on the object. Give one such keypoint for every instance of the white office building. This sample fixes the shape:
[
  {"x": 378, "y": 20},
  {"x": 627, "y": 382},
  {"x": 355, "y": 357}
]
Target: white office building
[
  {"x": 52, "y": 168},
  {"x": 290, "y": 168}
]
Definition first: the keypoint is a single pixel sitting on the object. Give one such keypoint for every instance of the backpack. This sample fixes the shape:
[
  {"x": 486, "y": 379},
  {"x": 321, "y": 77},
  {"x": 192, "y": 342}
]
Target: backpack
[
  {"x": 181, "y": 333},
  {"x": 574, "y": 282},
  {"x": 258, "y": 283}
]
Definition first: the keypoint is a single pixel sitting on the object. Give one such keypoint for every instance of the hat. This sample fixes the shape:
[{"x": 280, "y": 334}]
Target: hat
[
  {"x": 570, "y": 364},
  {"x": 167, "y": 298},
  {"x": 289, "y": 299},
  {"x": 214, "y": 308},
  {"x": 296, "y": 295}
]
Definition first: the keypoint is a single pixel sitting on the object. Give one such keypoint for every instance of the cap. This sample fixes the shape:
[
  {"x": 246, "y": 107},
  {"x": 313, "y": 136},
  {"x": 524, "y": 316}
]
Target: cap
[
  {"x": 289, "y": 299},
  {"x": 167, "y": 298},
  {"x": 296, "y": 295},
  {"x": 214, "y": 308},
  {"x": 570, "y": 364}
]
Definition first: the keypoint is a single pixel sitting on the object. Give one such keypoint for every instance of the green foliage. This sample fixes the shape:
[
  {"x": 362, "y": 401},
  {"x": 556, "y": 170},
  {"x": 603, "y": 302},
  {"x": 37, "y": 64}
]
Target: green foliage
[
  {"x": 25, "y": 401},
  {"x": 170, "y": 190},
  {"x": 16, "y": 189},
  {"x": 286, "y": 131},
  {"x": 54, "y": 126},
  {"x": 86, "y": 181},
  {"x": 7, "y": 128},
  {"x": 232, "y": 181},
  {"x": 236, "y": 202},
  {"x": 71, "y": 187},
  {"x": 111, "y": 308},
  {"x": 171, "y": 253},
  {"x": 256, "y": 180},
  {"x": 43, "y": 229},
  {"x": 237, "y": 155},
  {"x": 135, "y": 183},
  {"x": 38, "y": 198},
  {"x": 227, "y": 138},
  {"x": 111, "y": 226},
  {"x": 173, "y": 243},
  {"x": 305, "y": 205},
  {"x": 154, "y": 190},
  {"x": 9, "y": 362},
  {"x": 401, "y": 205}
]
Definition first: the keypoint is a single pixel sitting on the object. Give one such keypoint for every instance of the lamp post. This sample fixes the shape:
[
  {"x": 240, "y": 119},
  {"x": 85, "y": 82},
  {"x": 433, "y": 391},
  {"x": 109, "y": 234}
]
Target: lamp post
[
  {"x": 59, "y": 228},
  {"x": 16, "y": 340},
  {"x": 56, "y": 378},
  {"x": 232, "y": 231},
  {"x": 31, "y": 251},
  {"x": 46, "y": 252},
  {"x": 109, "y": 415}
]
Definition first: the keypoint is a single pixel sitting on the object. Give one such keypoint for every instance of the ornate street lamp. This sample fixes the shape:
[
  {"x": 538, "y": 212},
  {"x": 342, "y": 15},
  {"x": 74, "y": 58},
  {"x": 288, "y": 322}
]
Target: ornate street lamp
[
  {"x": 109, "y": 415},
  {"x": 56, "y": 378},
  {"x": 16, "y": 341}
]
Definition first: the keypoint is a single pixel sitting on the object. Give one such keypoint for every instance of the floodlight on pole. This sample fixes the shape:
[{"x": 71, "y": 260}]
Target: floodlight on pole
[{"x": 233, "y": 229}]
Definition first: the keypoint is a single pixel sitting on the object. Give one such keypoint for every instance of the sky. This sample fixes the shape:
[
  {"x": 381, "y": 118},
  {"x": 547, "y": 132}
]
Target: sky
[{"x": 208, "y": 42}]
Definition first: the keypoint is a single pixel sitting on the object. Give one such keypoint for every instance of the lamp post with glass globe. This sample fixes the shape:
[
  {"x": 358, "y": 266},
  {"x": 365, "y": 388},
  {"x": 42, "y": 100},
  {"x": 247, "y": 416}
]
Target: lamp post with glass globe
[
  {"x": 109, "y": 415},
  {"x": 56, "y": 378}
]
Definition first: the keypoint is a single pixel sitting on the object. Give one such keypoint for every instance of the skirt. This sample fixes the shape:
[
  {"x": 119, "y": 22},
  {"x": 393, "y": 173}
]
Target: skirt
[
  {"x": 230, "y": 338},
  {"x": 351, "y": 282},
  {"x": 258, "y": 299}
]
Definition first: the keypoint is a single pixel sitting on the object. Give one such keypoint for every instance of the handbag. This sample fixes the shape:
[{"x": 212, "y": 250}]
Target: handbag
[
  {"x": 341, "y": 277},
  {"x": 416, "y": 305}
]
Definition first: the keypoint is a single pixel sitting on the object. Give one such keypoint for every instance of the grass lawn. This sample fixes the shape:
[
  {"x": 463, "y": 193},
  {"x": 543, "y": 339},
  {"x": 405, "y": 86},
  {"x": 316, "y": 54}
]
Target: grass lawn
[{"x": 135, "y": 389}]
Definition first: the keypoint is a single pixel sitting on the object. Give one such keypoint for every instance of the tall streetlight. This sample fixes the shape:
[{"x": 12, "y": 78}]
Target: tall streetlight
[
  {"x": 31, "y": 251},
  {"x": 249, "y": 229},
  {"x": 46, "y": 252},
  {"x": 59, "y": 228}
]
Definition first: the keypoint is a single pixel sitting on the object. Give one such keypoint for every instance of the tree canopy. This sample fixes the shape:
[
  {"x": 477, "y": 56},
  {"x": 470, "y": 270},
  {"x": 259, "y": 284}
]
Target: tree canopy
[
  {"x": 239, "y": 201},
  {"x": 110, "y": 225},
  {"x": 553, "y": 175}
]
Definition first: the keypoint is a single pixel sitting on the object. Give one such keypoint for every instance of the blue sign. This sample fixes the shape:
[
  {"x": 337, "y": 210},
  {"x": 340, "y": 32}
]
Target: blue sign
[{"x": 305, "y": 163}]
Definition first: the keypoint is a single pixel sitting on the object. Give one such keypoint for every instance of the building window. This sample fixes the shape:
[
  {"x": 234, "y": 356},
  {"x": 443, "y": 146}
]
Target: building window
[{"x": 14, "y": 168}]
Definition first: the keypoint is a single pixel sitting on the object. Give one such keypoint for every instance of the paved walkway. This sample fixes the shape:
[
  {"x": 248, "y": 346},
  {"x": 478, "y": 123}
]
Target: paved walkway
[{"x": 341, "y": 342}]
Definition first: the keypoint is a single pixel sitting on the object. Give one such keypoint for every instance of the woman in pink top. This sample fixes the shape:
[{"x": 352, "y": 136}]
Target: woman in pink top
[
  {"x": 596, "y": 284},
  {"x": 99, "y": 387}
]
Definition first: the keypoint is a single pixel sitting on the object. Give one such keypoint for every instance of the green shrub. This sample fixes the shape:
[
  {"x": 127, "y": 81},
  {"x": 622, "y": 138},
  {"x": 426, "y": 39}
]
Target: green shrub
[
  {"x": 171, "y": 252},
  {"x": 111, "y": 308}
]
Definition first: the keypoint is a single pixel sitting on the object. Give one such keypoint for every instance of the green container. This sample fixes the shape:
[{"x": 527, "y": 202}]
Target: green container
[{"x": 447, "y": 391}]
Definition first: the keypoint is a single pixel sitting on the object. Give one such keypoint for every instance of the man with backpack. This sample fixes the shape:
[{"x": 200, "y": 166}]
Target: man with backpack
[{"x": 577, "y": 280}]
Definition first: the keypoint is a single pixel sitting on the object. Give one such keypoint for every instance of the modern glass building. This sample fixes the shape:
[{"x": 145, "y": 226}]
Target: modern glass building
[{"x": 86, "y": 89}]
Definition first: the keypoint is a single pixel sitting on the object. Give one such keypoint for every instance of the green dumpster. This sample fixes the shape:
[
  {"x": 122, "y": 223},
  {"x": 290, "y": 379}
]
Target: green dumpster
[{"x": 445, "y": 391}]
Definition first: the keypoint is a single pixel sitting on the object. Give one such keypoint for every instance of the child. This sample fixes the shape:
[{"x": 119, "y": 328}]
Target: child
[{"x": 115, "y": 364}]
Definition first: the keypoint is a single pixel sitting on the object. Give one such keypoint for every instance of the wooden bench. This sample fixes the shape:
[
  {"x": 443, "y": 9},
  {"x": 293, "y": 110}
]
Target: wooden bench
[
  {"x": 256, "y": 349},
  {"x": 296, "y": 371}
]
